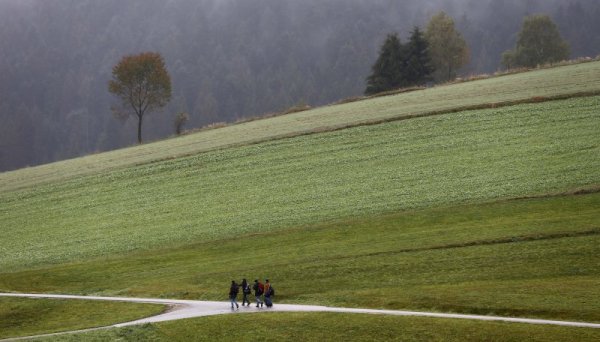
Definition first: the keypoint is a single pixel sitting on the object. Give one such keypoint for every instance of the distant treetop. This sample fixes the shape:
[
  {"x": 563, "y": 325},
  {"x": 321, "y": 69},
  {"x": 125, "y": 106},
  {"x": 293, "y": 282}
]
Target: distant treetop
[{"x": 539, "y": 43}]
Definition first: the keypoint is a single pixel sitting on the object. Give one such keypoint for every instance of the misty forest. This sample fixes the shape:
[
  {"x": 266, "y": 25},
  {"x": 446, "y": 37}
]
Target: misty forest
[{"x": 228, "y": 59}]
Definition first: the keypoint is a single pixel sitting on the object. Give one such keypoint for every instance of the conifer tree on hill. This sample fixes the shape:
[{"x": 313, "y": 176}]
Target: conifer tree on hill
[
  {"x": 387, "y": 72},
  {"x": 418, "y": 66},
  {"x": 400, "y": 65}
]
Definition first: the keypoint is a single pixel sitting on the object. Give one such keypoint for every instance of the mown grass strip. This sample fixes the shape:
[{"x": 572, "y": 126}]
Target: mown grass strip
[
  {"x": 512, "y": 239},
  {"x": 547, "y": 83}
]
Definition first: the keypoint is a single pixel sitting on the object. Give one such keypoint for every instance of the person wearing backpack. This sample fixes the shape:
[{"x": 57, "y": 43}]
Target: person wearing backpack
[
  {"x": 258, "y": 291},
  {"x": 269, "y": 292},
  {"x": 246, "y": 290},
  {"x": 233, "y": 292},
  {"x": 267, "y": 286}
]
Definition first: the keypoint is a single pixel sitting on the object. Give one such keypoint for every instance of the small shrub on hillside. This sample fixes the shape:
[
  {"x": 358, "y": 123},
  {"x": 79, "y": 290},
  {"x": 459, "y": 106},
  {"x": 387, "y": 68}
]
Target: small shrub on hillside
[{"x": 180, "y": 120}]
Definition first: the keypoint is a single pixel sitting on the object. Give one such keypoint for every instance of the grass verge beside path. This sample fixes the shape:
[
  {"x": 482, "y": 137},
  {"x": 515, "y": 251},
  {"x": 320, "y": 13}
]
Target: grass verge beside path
[
  {"x": 533, "y": 258},
  {"x": 571, "y": 79},
  {"x": 26, "y": 317},
  {"x": 467, "y": 157},
  {"x": 334, "y": 327}
]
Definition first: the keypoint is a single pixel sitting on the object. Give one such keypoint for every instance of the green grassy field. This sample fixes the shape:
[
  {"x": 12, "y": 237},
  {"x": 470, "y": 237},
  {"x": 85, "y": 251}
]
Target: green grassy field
[
  {"x": 466, "y": 157},
  {"x": 531, "y": 258},
  {"x": 26, "y": 317},
  {"x": 490, "y": 211},
  {"x": 565, "y": 80},
  {"x": 334, "y": 327}
]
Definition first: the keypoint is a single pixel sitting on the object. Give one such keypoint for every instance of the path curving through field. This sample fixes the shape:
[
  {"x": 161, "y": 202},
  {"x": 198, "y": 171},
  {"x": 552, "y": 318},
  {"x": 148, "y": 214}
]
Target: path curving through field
[{"x": 180, "y": 309}]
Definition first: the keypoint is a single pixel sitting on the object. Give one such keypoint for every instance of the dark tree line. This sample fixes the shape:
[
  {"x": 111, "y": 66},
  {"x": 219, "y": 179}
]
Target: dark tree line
[
  {"x": 228, "y": 59},
  {"x": 401, "y": 65}
]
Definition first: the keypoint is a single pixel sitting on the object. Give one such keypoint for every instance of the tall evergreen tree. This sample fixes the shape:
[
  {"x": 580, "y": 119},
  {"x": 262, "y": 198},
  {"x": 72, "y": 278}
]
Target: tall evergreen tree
[
  {"x": 388, "y": 70},
  {"x": 418, "y": 66}
]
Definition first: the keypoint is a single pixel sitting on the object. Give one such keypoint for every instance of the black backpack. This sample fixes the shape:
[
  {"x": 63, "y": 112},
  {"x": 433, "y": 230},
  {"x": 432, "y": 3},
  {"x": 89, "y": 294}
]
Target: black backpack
[
  {"x": 257, "y": 290},
  {"x": 271, "y": 291},
  {"x": 247, "y": 289}
]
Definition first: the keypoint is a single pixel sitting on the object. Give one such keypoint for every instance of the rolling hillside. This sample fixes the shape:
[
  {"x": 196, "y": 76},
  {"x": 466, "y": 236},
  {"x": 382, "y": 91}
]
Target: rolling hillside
[
  {"x": 411, "y": 199},
  {"x": 562, "y": 81},
  {"x": 467, "y": 157}
]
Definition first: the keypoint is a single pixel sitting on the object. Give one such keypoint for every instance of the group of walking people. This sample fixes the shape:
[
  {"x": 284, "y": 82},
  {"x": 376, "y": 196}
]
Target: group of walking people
[{"x": 260, "y": 290}]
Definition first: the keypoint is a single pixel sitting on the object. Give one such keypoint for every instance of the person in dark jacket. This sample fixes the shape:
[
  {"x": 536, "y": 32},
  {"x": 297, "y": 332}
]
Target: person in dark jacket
[
  {"x": 246, "y": 290},
  {"x": 269, "y": 292},
  {"x": 233, "y": 292},
  {"x": 258, "y": 291}
]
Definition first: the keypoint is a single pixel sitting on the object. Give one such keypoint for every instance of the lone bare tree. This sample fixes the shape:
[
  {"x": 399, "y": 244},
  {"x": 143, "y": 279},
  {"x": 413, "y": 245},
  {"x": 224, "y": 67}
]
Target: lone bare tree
[{"x": 143, "y": 85}]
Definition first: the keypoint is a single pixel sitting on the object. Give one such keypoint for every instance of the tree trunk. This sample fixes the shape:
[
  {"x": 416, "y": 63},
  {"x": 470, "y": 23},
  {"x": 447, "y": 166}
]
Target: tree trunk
[{"x": 140, "y": 129}]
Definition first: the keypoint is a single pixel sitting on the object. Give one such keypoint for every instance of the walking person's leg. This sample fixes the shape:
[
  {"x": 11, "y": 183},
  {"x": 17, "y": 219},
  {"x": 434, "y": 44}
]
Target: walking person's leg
[
  {"x": 258, "y": 301},
  {"x": 268, "y": 302}
]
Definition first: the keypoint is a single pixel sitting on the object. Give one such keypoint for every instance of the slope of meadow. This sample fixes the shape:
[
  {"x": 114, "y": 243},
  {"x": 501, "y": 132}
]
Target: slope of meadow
[
  {"x": 407, "y": 214},
  {"x": 468, "y": 157},
  {"x": 559, "y": 81},
  {"x": 529, "y": 258}
]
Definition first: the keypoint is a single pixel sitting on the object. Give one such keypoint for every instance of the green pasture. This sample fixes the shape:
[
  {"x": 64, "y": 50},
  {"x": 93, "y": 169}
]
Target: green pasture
[
  {"x": 528, "y": 258},
  {"x": 334, "y": 327},
  {"x": 467, "y": 157},
  {"x": 26, "y": 317},
  {"x": 564, "y": 80},
  {"x": 490, "y": 211}
]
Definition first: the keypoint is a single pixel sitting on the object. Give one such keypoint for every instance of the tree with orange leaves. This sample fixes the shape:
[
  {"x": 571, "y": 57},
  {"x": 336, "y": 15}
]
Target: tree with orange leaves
[{"x": 143, "y": 85}]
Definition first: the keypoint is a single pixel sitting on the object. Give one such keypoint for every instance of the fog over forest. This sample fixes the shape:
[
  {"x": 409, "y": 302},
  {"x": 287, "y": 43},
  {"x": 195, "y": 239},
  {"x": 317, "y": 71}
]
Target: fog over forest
[{"x": 228, "y": 59}]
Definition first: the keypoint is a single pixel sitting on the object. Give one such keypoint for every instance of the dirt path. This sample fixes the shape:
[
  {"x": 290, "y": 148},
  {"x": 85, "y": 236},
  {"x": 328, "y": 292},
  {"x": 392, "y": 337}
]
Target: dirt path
[{"x": 181, "y": 309}]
